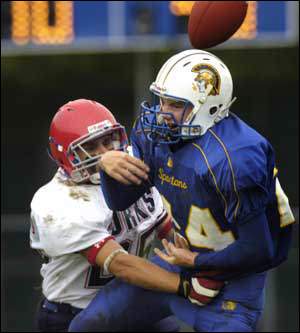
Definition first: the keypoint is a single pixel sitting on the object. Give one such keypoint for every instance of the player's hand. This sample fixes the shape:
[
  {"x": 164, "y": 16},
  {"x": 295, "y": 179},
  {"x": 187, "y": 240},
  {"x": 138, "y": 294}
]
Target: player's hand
[
  {"x": 124, "y": 168},
  {"x": 199, "y": 289},
  {"x": 177, "y": 253}
]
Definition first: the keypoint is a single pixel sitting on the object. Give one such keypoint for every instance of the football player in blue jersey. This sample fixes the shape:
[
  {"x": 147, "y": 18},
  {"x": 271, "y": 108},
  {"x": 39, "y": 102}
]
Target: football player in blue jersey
[{"x": 218, "y": 179}]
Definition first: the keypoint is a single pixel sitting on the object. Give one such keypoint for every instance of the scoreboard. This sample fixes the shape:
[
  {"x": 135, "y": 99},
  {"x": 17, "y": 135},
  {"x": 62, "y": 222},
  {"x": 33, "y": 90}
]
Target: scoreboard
[{"x": 46, "y": 26}]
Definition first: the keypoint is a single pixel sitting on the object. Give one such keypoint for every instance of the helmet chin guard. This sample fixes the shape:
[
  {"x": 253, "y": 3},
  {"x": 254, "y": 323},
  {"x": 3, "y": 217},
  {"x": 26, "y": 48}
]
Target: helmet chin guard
[{"x": 156, "y": 130}]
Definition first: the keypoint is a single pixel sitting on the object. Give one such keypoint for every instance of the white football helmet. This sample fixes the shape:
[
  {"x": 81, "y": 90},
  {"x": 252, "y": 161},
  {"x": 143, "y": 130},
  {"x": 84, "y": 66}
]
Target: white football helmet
[{"x": 198, "y": 78}]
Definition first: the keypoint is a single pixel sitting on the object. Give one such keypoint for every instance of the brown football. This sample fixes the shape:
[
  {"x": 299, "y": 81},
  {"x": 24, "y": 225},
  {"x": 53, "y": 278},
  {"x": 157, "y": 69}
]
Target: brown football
[{"x": 213, "y": 22}]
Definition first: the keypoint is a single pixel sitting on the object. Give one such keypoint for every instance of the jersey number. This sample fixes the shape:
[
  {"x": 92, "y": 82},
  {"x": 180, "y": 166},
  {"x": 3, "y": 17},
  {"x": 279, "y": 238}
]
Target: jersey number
[
  {"x": 96, "y": 277},
  {"x": 202, "y": 230},
  {"x": 284, "y": 209}
]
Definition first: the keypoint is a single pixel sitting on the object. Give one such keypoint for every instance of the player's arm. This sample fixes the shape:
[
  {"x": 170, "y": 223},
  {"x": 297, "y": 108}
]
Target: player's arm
[
  {"x": 125, "y": 178},
  {"x": 254, "y": 251},
  {"x": 253, "y": 248},
  {"x": 118, "y": 170},
  {"x": 135, "y": 270},
  {"x": 110, "y": 255}
]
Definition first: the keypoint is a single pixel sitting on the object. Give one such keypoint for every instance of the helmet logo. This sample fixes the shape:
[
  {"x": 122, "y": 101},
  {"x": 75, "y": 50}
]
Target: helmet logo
[
  {"x": 99, "y": 126},
  {"x": 207, "y": 79}
]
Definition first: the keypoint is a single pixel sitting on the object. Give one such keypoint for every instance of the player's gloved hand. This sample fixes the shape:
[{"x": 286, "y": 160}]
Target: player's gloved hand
[{"x": 199, "y": 288}]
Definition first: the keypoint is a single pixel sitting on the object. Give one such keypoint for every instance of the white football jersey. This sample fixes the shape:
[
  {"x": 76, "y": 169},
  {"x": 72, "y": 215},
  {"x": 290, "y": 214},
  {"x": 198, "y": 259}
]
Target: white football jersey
[{"x": 66, "y": 219}]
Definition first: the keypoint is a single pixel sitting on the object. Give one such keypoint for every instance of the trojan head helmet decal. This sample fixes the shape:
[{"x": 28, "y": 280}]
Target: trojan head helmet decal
[{"x": 207, "y": 79}]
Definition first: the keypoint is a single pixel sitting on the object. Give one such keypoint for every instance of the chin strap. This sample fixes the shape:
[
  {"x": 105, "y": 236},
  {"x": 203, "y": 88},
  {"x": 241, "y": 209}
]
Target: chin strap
[{"x": 224, "y": 112}]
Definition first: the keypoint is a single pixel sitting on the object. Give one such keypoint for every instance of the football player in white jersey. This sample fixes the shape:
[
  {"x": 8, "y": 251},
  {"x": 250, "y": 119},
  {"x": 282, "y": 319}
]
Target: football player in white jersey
[{"x": 83, "y": 242}]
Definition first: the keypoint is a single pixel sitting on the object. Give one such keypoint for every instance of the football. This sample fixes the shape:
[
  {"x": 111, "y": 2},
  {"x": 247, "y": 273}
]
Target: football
[{"x": 213, "y": 22}]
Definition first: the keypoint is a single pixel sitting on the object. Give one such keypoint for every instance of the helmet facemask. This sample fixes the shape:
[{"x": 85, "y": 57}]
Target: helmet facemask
[
  {"x": 157, "y": 129},
  {"x": 84, "y": 163}
]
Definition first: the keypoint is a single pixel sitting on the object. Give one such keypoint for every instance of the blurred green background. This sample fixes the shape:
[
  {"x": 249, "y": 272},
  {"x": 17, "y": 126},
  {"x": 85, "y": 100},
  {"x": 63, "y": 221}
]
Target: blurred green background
[{"x": 33, "y": 88}]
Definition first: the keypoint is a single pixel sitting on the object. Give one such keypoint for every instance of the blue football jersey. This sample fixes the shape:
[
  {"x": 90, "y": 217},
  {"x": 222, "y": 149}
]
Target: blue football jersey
[{"x": 216, "y": 182}]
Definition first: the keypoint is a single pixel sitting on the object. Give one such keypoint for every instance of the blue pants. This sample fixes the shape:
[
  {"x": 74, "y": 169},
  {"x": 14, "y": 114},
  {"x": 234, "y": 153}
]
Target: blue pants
[
  {"x": 123, "y": 307},
  {"x": 55, "y": 317}
]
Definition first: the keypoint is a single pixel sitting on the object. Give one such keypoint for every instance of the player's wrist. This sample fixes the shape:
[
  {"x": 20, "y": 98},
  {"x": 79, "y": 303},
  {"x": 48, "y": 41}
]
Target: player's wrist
[
  {"x": 193, "y": 257},
  {"x": 198, "y": 289},
  {"x": 100, "y": 163},
  {"x": 184, "y": 287},
  {"x": 190, "y": 258}
]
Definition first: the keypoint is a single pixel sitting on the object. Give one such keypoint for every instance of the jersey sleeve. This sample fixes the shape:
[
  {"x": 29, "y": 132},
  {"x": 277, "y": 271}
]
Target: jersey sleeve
[
  {"x": 250, "y": 253},
  {"x": 118, "y": 196},
  {"x": 246, "y": 180},
  {"x": 60, "y": 232},
  {"x": 136, "y": 140},
  {"x": 142, "y": 148}
]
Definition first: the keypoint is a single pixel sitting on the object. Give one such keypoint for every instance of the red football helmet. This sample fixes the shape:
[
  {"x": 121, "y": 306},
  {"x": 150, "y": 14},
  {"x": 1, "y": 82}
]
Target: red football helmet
[{"x": 75, "y": 124}]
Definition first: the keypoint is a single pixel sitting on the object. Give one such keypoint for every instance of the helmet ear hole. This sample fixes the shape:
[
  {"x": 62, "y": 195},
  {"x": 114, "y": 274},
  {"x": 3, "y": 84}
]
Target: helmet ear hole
[{"x": 213, "y": 110}]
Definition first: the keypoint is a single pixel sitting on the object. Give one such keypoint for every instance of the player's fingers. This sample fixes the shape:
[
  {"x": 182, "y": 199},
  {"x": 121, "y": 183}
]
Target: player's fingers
[
  {"x": 166, "y": 245},
  {"x": 163, "y": 256},
  {"x": 183, "y": 242},
  {"x": 173, "y": 250},
  {"x": 116, "y": 162},
  {"x": 139, "y": 173},
  {"x": 176, "y": 240},
  {"x": 180, "y": 241},
  {"x": 121, "y": 179},
  {"x": 130, "y": 177},
  {"x": 137, "y": 166},
  {"x": 138, "y": 163}
]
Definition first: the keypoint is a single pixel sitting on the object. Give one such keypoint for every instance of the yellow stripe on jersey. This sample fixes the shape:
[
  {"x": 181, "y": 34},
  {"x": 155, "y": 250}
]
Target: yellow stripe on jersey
[
  {"x": 232, "y": 172},
  {"x": 213, "y": 176}
]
